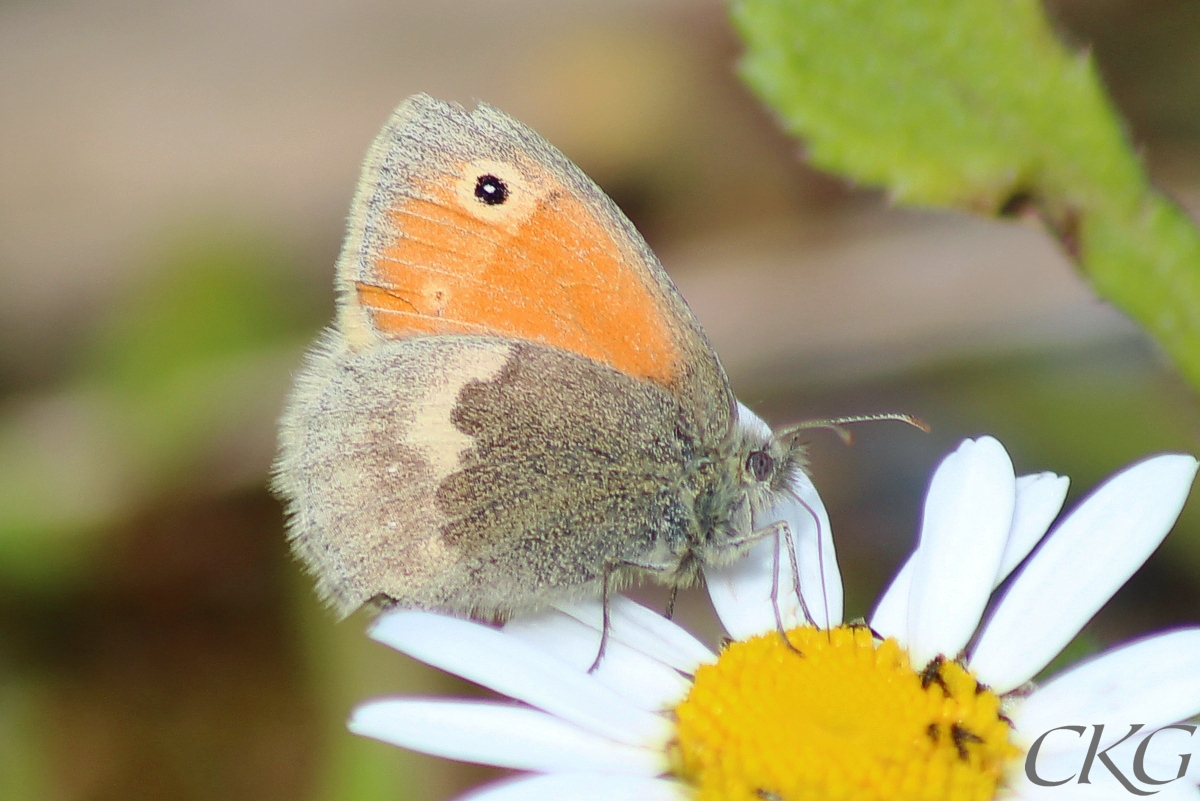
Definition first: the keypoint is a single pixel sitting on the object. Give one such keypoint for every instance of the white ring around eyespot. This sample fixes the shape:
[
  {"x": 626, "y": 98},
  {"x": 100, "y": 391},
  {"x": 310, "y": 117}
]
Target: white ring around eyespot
[{"x": 522, "y": 198}]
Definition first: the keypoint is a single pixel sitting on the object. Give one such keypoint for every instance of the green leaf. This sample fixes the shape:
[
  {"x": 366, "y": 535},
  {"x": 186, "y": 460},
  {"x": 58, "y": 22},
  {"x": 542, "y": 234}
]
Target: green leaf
[{"x": 974, "y": 105}]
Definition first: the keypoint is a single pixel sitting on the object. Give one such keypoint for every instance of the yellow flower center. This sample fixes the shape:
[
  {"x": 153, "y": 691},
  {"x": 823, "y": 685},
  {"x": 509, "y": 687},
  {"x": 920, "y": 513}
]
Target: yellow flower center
[{"x": 840, "y": 717}]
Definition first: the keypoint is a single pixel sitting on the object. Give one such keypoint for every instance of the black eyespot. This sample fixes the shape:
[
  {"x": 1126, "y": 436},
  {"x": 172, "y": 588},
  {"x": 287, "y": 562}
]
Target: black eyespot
[
  {"x": 491, "y": 190},
  {"x": 760, "y": 464}
]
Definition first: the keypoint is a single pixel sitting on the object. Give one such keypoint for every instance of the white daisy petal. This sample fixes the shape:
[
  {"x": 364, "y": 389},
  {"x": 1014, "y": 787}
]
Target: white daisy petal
[
  {"x": 748, "y": 418},
  {"x": 1056, "y": 768},
  {"x": 1039, "y": 499},
  {"x": 741, "y": 592},
  {"x": 645, "y": 631},
  {"x": 606, "y": 734},
  {"x": 1164, "y": 755},
  {"x": 646, "y": 682},
  {"x": 1181, "y": 790},
  {"x": 1102, "y": 784},
  {"x": 506, "y": 736},
  {"x": 968, "y": 513},
  {"x": 890, "y": 618},
  {"x": 488, "y": 657},
  {"x": 580, "y": 787},
  {"x": 1154, "y": 681},
  {"x": 820, "y": 578},
  {"x": 1063, "y": 754},
  {"x": 1106, "y": 789},
  {"x": 1085, "y": 560}
]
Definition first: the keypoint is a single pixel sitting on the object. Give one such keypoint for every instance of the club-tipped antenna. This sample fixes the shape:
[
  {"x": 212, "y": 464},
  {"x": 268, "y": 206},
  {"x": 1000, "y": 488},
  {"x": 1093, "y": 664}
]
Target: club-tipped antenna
[{"x": 838, "y": 424}]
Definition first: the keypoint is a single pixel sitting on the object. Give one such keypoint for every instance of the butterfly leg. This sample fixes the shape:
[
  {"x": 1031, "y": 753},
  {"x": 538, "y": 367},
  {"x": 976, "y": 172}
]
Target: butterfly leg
[
  {"x": 610, "y": 569},
  {"x": 795, "y": 565},
  {"x": 782, "y": 528},
  {"x": 782, "y": 534}
]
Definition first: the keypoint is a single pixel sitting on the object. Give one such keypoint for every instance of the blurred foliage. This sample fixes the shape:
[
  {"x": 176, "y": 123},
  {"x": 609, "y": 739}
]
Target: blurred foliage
[
  {"x": 211, "y": 297},
  {"x": 144, "y": 630},
  {"x": 107, "y": 576},
  {"x": 973, "y": 104},
  {"x": 23, "y": 768},
  {"x": 197, "y": 351},
  {"x": 155, "y": 639}
]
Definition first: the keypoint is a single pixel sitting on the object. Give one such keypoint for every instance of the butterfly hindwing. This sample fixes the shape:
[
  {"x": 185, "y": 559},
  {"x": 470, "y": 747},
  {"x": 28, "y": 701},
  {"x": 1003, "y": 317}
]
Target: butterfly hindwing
[{"x": 418, "y": 467}]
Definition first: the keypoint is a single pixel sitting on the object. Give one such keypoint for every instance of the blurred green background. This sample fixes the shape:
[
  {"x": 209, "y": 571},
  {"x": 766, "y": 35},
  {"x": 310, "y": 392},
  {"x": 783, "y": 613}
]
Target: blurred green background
[{"x": 173, "y": 184}]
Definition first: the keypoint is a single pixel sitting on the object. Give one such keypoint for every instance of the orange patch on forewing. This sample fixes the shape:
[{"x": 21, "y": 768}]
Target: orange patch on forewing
[{"x": 555, "y": 277}]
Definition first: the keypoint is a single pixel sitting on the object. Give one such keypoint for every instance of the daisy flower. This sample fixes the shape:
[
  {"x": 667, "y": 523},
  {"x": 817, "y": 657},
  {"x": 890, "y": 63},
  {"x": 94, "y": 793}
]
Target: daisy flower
[{"x": 931, "y": 700}]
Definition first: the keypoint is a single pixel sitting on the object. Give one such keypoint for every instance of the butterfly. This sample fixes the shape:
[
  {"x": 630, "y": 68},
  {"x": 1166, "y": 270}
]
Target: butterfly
[{"x": 514, "y": 406}]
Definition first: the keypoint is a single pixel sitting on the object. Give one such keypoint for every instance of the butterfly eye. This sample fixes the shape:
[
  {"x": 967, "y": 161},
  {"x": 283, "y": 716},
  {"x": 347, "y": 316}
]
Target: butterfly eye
[
  {"x": 491, "y": 190},
  {"x": 760, "y": 464}
]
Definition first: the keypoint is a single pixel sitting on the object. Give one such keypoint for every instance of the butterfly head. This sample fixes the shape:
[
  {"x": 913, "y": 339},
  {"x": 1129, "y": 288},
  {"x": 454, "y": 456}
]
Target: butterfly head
[{"x": 756, "y": 473}]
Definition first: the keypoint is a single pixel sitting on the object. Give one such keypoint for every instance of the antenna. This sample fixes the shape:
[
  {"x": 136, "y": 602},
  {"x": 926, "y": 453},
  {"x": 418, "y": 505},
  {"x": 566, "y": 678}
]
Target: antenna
[{"x": 837, "y": 424}]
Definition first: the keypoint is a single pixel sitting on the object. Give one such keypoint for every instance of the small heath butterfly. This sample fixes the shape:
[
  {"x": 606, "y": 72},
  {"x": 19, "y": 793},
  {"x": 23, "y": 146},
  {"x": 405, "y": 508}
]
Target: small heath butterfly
[{"x": 514, "y": 406}]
